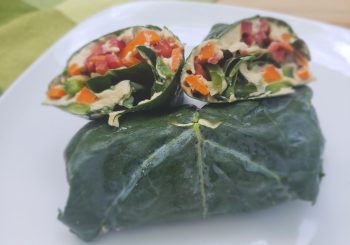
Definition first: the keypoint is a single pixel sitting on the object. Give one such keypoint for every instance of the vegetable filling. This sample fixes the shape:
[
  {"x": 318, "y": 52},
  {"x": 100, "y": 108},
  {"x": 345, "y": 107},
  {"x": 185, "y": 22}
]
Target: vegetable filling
[{"x": 116, "y": 71}]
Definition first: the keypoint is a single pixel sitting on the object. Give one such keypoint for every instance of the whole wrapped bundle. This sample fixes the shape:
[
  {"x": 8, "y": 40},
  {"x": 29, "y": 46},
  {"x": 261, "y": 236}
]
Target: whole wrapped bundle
[
  {"x": 133, "y": 69},
  {"x": 193, "y": 164},
  {"x": 253, "y": 58}
]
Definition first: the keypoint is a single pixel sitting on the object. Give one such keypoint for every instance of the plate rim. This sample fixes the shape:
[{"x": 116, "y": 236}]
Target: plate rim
[{"x": 53, "y": 48}]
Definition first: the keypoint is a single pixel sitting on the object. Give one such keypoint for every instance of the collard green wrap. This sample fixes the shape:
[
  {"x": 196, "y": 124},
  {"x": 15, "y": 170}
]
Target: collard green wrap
[
  {"x": 193, "y": 164},
  {"x": 133, "y": 69},
  {"x": 253, "y": 58}
]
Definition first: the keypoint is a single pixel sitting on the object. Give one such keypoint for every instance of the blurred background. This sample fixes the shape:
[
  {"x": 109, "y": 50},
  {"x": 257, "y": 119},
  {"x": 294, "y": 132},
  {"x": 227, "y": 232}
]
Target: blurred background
[
  {"x": 332, "y": 11},
  {"x": 29, "y": 27}
]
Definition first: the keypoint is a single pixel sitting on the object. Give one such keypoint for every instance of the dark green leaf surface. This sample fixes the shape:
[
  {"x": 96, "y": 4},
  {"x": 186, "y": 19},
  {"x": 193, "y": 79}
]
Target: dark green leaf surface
[
  {"x": 148, "y": 54},
  {"x": 141, "y": 73},
  {"x": 171, "y": 167}
]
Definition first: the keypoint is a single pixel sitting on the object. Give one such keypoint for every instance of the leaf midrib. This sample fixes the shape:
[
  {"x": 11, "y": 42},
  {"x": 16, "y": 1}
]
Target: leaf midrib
[
  {"x": 145, "y": 167},
  {"x": 200, "y": 167}
]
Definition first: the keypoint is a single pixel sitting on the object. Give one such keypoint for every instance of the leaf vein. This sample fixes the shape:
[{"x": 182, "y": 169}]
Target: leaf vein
[{"x": 245, "y": 161}]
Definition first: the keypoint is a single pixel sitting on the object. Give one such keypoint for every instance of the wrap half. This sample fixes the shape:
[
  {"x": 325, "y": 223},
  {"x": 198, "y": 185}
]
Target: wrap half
[
  {"x": 253, "y": 58},
  {"x": 133, "y": 69},
  {"x": 193, "y": 164}
]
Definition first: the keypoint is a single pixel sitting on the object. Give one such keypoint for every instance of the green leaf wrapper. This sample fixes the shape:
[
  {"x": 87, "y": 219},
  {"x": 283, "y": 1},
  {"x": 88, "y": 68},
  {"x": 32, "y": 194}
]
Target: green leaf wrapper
[{"x": 193, "y": 164}]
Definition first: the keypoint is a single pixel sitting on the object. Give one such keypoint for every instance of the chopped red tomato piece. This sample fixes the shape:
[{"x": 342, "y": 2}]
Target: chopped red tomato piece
[
  {"x": 90, "y": 66},
  {"x": 260, "y": 36},
  {"x": 97, "y": 49},
  {"x": 246, "y": 27},
  {"x": 101, "y": 66},
  {"x": 278, "y": 51},
  {"x": 115, "y": 42},
  {"x": 248, "y": 38},
  {"x": 199, "y": 70},
  {"x": 246, "y": 31},
  {"x": 163, "y": 48},
  {"x": 264, "y": 25},
  {"x": 113, "y": 61},
  {"x": 100, "y": 63}
]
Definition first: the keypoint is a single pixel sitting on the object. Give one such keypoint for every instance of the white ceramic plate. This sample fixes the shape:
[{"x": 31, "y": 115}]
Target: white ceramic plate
[{"x": 32, "y": 139}]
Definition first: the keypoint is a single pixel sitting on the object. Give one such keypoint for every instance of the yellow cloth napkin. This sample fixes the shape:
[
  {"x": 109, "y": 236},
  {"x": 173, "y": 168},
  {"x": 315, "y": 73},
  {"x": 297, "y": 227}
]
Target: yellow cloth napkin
[{"x": 29, "y": 27}]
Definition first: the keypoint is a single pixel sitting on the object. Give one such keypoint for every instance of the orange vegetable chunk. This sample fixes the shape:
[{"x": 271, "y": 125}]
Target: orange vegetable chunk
[
  {"x": 56, "y": 92},
  {"x": 286, "y": 37},
  {"x": 271, "y": 74},
  {"x": 303, "y": 73},
  {"x": 206, "y": 52},
  {"x": 86, "y": 97},
  {"x": 197, "y": 84},
  {"x": 140, "y": 38},
  {"x": 74, "y": 70},
  {"x": 176, "y": 55}
]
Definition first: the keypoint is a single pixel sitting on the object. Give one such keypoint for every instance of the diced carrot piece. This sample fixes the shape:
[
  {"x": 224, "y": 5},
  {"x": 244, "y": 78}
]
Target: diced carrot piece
[
  {"x": 271, "y": 74},
  {"x": 196, "y": 83},
  {"x": 97, "y": 58},
  {"x": 287, "y": 46},
  {"x": 206, "y": 52},
  {"x": 74, "y": 70},
  {"x": 85, "y": 96},
  {"x": 56, "y": 92},
  {"x": 151, "y": 36},
  {"x": 130, "y": 60},
  {"x": 303, "y": 73},
  {"x": 176, "y": 55},
  {"x": 163, "y": 48},
  {"x": 90, "y": 66},
  {"x": 286, "y": 37},
  {"x": 140, "y": 38}
]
